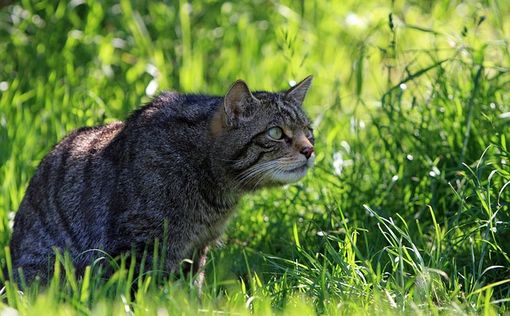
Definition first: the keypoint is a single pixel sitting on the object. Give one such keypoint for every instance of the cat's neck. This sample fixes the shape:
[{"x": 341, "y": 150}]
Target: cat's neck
[
  {"x": 222, "y": 200},
  {"x": 216, "y": 187}
]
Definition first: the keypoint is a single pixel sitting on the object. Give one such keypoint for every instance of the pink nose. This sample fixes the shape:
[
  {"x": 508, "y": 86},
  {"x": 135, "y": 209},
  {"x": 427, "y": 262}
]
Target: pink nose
[{"x": 307, "y": 151}]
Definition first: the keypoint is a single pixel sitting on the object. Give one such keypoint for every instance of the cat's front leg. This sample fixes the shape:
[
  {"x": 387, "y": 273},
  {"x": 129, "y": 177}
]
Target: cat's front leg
[
  {"x": 199, "y": 268},
  {"x": 176, "y": 262}
]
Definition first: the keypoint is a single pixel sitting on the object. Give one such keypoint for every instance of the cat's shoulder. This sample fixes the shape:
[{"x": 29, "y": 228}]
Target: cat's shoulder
[{"x": 85, "y": 138}]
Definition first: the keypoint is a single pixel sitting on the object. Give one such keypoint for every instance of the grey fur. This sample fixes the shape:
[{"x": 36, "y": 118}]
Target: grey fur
[{"x": 182, "y": 159}]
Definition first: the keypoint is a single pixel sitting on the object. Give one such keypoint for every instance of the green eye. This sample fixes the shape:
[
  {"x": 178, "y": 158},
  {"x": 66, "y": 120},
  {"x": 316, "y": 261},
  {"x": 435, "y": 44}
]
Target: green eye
[{"x": 275, "y": 133}]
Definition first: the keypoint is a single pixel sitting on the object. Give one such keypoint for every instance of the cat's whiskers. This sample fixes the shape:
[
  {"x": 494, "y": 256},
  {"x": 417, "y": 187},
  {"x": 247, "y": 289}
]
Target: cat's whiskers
[
  {"x": 255, "y": 173},
  {"x": 263, "y": 175},
  {"x": 288, "y": 170},
  {"x": 280, "y": 169},
  {"x": 256, "y": 168}
]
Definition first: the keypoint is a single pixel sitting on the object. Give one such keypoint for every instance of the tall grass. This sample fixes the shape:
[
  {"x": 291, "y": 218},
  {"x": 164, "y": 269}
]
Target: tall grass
[{"x": 407, "y": 210}]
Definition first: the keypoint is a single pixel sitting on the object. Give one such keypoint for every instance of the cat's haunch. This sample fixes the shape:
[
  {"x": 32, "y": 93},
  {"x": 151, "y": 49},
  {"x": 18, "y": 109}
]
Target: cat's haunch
[{"x": 183, "y": 160}]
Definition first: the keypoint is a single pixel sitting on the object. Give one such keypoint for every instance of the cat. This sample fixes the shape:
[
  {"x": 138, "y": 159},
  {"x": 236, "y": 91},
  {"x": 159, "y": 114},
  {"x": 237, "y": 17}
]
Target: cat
[{"x": 183, "y": 159}]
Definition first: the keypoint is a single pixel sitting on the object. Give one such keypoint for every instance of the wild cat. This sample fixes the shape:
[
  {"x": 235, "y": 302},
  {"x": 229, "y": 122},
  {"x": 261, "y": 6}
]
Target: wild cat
[{"x": 183, "y": 159}]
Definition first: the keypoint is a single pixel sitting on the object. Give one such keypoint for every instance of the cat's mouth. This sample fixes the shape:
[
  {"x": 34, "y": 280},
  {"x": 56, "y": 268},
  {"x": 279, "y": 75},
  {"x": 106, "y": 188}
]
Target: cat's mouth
[
  {"x": 276, "y": 172},
  {"x": 292, "y": 173},
  {"x": 285, "y": 176},
  {"x": 299, "y": 169}
]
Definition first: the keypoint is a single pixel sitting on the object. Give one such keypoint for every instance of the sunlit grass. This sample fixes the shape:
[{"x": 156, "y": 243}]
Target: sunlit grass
[{"x": 407, "y": 210}]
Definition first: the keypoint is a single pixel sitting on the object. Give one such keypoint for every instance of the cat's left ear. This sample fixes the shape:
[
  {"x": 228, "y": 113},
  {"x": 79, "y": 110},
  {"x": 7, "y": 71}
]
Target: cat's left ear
[{"x": 298, "y": 92}]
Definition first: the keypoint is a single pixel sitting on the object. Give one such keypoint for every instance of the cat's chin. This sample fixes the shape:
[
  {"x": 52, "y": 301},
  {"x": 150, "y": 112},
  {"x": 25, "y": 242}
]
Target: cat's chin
[
  {"x": 293, "y": 174},
  {"x": 289, "y": 176}
]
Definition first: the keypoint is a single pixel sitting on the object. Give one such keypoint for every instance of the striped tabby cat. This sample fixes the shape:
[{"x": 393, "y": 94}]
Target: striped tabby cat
[{"x": 184, "y": 160}]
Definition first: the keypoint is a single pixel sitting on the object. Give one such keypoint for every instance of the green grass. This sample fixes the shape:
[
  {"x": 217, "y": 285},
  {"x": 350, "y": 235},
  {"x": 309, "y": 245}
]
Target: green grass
[{"x": 408, "y": 208}]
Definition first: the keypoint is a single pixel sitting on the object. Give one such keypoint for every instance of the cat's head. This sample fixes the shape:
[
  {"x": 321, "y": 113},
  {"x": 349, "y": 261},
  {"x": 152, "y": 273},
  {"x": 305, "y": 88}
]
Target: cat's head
[{"x": 265, "y": 138}]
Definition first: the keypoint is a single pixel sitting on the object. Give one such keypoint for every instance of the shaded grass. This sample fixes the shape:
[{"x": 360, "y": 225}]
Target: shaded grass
[{"x": 407, "y": 210}]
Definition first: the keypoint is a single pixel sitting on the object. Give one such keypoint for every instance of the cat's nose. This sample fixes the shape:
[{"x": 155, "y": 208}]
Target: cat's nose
[{"x": 307, "y": 151}]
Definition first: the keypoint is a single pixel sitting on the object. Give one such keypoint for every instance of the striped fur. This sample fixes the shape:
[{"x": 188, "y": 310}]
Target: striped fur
[{"x": 182, "y": 159}]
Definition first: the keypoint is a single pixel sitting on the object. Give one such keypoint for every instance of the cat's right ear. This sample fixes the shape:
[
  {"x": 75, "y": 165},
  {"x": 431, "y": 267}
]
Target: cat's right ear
[{"x": 239, "y": 103}]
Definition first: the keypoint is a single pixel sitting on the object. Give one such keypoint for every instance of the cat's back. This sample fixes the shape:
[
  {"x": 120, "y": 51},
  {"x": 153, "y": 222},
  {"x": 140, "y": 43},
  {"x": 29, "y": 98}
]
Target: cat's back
[
  {"x": 83, "y": 145},
  {"x": 63, "y": 192}
]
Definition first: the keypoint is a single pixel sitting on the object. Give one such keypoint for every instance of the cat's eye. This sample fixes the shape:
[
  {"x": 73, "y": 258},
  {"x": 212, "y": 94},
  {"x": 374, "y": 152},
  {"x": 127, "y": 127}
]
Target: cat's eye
[{"x": 275, "y": 133}]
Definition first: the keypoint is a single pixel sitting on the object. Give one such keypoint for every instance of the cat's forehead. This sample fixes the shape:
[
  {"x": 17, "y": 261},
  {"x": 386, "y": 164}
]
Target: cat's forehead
[{"x": 281, "y": 110}]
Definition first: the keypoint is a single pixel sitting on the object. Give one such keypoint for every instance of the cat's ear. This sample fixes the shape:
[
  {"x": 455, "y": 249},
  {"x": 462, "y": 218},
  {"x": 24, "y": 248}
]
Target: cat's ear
[
  {"x": 298, "y": 92},
  {"x": 239, "y": 102}
]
